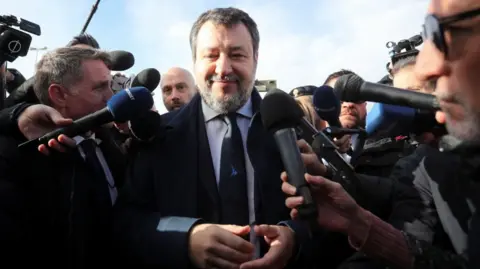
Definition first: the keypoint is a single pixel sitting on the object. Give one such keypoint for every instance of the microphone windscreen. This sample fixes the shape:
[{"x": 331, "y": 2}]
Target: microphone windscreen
[
  {"x": 326, "y": 104},
  {"x": 129, "y": 103},
  {"x": 347, "y": 88},
  {"x": 146, "y": 126},
  {"x": 389, "y": 120},
  {"x": 148, "y": 78},
  {"x": 121, "y": 60},
  {"x": 279, "y": 110}
]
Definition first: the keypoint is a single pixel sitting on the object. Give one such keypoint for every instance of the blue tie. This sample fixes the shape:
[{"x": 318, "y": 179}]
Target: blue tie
[{"x": 233, "y": 178}]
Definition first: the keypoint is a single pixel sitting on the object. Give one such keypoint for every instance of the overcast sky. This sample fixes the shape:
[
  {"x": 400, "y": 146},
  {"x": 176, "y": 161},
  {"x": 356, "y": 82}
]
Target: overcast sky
[{"x": 301, "y": 43}]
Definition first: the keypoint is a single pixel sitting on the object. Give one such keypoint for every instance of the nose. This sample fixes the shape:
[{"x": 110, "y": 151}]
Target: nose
[
  {"x": 431, "y": 63},
  {"x": 175, "y": 94},
  {"x": 223, "y": 66},
  {"x": 348, "y": 105}
]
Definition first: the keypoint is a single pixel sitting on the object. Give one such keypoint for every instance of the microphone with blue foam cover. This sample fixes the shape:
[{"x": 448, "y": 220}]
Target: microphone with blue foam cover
[
  {"x": 121, "y": 107},
  {"x": 392, "y": 120},
  {"x": 327, "y": 105}
]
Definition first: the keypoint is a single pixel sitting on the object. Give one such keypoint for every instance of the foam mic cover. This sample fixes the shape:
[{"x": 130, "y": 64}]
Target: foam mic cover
[
  {"x": 146, "y": 126},
  {"x": 279, "y": 110},
  {"x": 280, "y": 115},
  {"x": 121, "y": 60},
  {"x": 129, "y": 103},
  {"x": 327, "y": 105},
  {"x": 148, "y": 78},
  {"x": 122, "y": 107},
  {"x": 391, "y": 120},
  {"x": 347, "y": 88}
]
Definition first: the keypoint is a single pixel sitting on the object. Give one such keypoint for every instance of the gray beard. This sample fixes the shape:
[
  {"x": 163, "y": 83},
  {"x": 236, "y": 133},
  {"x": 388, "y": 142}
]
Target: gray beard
[
  {"x": 228, "y": 104},
  {"x": 466, "y": 130}
]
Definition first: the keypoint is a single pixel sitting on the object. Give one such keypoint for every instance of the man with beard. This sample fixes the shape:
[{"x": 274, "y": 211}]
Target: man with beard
[
  {"x": 379, "y": 153},
  {"x": 192, "y": 194},
  {"x": 352, "y": 115},
  {"x": 446, "y": 233},
  {"x": 178, "y": 88}
]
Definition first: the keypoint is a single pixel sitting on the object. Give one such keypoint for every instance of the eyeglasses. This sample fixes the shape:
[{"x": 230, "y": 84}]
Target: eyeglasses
[{"x": 434, "y": 27}]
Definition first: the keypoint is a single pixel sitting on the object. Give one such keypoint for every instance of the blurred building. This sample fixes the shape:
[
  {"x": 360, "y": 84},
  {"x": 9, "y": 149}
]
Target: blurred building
[{"x": 263, "y": 86}]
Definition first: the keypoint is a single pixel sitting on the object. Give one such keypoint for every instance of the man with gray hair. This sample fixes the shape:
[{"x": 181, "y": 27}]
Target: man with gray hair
[
  {"x": 68, "y": 198},
  {"x": 195, "y": 197}
]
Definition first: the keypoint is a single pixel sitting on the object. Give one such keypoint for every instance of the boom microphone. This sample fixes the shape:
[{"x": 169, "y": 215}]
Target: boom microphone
[
  {"x": 327, "y": 105},
  {"x": 352, "y": 88},
  {"x": 148, "y": 78},
  {"x": 123, "y": 106},
  {"x": 121, "y": 60},
  {"x": 280, "y": 115}
]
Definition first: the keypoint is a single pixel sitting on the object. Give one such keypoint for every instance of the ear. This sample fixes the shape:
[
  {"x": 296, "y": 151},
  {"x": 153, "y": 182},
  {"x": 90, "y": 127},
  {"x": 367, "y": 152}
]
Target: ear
[
  {"x": 57, "y": 95},
  {"x": 256, "y": 56}
]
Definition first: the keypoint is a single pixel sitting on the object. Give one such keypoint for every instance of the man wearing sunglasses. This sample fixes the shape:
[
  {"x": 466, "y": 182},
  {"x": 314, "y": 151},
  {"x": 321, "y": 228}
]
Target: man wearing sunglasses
[{"x": 451, "y": 60}]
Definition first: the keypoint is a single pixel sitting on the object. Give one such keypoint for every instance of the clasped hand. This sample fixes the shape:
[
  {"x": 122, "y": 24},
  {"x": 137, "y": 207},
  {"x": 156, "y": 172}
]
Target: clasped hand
[{"x": 221, "y": 246}]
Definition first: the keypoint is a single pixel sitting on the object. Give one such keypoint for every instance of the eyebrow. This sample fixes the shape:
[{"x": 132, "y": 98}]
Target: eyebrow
[{"x": 230, "y": 48}]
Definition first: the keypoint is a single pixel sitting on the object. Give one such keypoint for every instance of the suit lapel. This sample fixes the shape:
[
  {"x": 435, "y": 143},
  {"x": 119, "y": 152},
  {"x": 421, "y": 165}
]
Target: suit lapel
[
  {"x": 114, "y": 156},
  {"x": 193, "y": 163},
  {"x": 267, "y": 166}
]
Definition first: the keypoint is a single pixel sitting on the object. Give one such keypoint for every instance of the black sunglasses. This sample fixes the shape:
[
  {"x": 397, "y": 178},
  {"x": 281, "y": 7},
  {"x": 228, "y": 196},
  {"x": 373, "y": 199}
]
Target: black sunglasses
[{"x": 434, "y": 27}]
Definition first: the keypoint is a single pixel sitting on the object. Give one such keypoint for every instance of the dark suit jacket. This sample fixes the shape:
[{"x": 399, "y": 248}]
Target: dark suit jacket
[
  {"x": 48, "y": 208},
  {"x": 171, "y": 186}
]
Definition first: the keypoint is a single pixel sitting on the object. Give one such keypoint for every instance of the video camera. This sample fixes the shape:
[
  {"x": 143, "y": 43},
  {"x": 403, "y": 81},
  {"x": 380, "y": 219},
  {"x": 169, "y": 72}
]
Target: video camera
[
  {"x": 14, "y": 43},
  {"x": 404, "y": 48}
]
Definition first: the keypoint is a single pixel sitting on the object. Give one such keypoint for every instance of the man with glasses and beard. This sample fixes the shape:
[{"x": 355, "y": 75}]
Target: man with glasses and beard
[
  {"x": 446, "y": 233},
  {"x": 196, "y": 197}
]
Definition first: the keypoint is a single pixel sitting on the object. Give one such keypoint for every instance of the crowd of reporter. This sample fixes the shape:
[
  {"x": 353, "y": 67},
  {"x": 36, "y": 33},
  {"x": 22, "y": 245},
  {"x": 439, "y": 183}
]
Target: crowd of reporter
[{"x": 204, "y": 185}]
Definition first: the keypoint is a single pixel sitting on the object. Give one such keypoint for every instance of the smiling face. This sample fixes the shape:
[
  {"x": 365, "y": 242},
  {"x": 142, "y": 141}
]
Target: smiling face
[{"x": 225, "y": 66}]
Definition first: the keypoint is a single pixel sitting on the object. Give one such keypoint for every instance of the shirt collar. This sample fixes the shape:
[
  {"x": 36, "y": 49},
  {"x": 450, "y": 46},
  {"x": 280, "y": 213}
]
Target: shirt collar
[
  {"x": 79, "y": 138},
  {"x": 246, "y": 110}
]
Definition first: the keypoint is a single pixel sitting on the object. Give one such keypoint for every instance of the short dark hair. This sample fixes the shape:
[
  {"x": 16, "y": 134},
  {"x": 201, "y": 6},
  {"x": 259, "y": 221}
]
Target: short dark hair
[
  {"x": 338, "y": 74},
  {"x": 228, "y": 17},
  {"x": 84, "y": 39}
]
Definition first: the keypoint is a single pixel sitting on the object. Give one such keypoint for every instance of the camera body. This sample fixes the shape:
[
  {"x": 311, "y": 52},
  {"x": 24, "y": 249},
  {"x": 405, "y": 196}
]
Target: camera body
[
  {"x": 13, "y": 42},
  {"x": 404, "y": 48}
]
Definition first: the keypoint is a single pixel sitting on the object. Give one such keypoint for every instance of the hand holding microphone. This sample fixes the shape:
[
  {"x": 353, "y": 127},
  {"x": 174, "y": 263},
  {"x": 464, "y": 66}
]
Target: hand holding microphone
[{"x": 120, "y": 108}]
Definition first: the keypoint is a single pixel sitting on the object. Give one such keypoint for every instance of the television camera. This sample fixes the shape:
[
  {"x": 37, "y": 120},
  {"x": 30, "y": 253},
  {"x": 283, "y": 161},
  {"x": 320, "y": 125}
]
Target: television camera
[{"x": 13, "y": 42}]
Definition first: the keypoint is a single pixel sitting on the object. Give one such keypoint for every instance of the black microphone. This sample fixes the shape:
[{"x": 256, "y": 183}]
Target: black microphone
[
  {"x": 121, "y": 60},
  {"x": 121, "y": 107},
  {"x": 327, "y": 105},
  {"x": 352, "y": 88},
  {"x": 280, "y": 115},
  {"x": 148, "y": 78}
]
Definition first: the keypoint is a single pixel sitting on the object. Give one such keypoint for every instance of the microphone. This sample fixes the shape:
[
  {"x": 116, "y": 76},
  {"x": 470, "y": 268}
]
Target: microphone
[
  {"x": 121, "y": 60},
  {"x": 121, "y": 107},
  {"x": 280, "y": 115},
  {"x": 352, "y": 88},
  {"x": 391, "y": 120},
  {"x": 148, "y": 78},
  {"x": 327, "y": 105}
]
